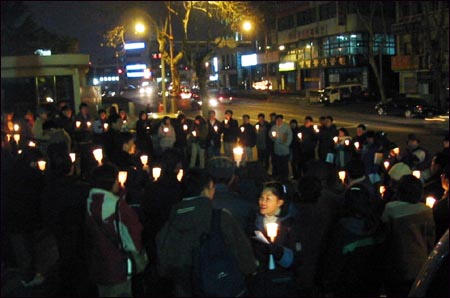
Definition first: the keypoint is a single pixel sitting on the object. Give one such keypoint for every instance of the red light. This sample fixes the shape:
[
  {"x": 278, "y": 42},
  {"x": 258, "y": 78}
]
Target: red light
[{"x": 119, "y": 71}]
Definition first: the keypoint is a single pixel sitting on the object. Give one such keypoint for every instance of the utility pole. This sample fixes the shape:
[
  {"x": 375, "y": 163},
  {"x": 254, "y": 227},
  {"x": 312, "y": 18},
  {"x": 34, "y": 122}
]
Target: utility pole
[{"x": 172, "y": 67}]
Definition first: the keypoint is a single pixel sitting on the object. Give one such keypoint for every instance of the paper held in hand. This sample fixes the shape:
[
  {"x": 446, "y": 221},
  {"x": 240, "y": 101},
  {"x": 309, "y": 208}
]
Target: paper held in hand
[{"x": 260, "y": 237}]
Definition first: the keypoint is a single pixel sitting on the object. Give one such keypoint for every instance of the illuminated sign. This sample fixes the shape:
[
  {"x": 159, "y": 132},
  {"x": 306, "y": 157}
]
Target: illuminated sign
[
  {"x": 286, "y": 66},
  {"x": 248, "y": 60},
  {"x": 135, "y": 45},
  {"x": 137, "y": 74},
  {"x": 136, "y": 67}
]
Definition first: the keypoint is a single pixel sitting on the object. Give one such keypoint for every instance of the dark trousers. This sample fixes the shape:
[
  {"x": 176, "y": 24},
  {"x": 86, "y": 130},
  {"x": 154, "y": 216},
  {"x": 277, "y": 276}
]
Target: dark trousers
[
  {"x": 280, "y": 166},
  {"x": 264, "y": 158}
]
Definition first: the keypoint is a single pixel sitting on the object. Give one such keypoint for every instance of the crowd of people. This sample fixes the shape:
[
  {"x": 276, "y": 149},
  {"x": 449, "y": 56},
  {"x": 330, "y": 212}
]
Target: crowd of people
[{"x": 356, "y": 215}]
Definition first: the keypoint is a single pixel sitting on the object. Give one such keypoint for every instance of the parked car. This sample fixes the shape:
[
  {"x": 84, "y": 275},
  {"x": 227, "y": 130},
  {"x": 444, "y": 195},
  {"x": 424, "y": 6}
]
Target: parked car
[
  {"x": 407, "y": 107},
  {"x": 224, "y": 95},
  {"x": 342, "y": 93}
]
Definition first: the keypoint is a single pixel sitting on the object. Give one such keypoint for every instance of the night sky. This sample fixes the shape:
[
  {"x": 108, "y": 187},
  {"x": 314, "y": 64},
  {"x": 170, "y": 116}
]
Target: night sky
[{"x": 88, "y": 20}]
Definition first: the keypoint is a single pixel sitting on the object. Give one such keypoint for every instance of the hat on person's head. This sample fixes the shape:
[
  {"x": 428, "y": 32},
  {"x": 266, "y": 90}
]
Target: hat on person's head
[
  {"x": 221, "y": 167},
  {"x": 413, "y": 137},
  {"x": 420, "y": 155},
  {"x": 399, "y": 170}
]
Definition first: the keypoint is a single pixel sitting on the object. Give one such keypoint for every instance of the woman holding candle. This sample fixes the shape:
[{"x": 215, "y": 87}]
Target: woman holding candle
[
  {"x": 199, "y": 137},
  {"x": 274, "y": 207},
  {"x": 166, "y": 134},
  {"x": 143, "y": 134}
]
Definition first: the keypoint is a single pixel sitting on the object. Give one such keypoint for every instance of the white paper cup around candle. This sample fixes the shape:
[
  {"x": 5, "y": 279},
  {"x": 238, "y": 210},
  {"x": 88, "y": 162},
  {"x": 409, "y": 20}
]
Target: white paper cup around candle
[
  {"x": 88, "y": 124},
  {"x": 226, "y": 121},
  {"x": 144, "y": 159},
  {"x": 237, "y": 154},
  {"x": 342, "y": 175},
  {"x": 356, "y": 145},
  {"x": 77, "y": 124},
  {"x": 185, "y": 127},
  {"x": 16, "y": 127},
  {"x": 180, "y": 174},
  {"x": 105, "y": 126},
  {"x": 272, "y": 230},
  {"x": 73, "y": 157},
  {"x": 123, "y": 177},
  {"x": 396, "y": 150},
  {"x": 347, "y": 142},
  {"x": 386, "y": 164},
  {"x": 31, "y": 144},
  {"x": 257, "y": 127},
  {"x": 335, "y": 139},
  {"x": 300, "y": 136},
  {"x": 242, "y": 129},
  {"x": 98, "y": 155},
  {"x": 274, "y": 134},
  {"x": 41, "y": 165},
  {"x": 16, "y": 137},
  {"x": 430, "y": 201},
  {"x": 8, "y": 137},
  {"x": 416, "y": 174},
  {"x": 382, "y": 190},
  {"x": 156, "y": 172},
  {"x": 194, "y": 133},
  {"x": 215, "y": 128},
  {"x": 377, "y": 158},
  {"x": 166, "y": 129}
]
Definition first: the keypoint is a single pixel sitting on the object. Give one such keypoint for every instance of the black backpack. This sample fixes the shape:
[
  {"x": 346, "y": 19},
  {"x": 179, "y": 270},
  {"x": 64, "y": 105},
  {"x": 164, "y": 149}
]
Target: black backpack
[{"x": 215, "y": 270}]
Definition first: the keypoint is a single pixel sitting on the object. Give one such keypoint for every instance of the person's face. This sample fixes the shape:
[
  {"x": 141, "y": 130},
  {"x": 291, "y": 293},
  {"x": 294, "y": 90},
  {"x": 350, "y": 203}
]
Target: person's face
[
  {"x": 261, "y": 119},
  {"x": 327, "y": 122},
  {"x": 84, "y": 111},
  {"x": 434, "y": 166},
  {"x": 167, "y": 122},
  {"x": 445, "y": 144},
  {"x": 413, "y": 144},
  {"x": 122, "y": 114},
  {"x": 245, "y": 120},
  {"x": 341, "y": 134},
  {"x": 279, "y": 121},
  {"x": 130, "y": 147},
  {"x": 228, "y": 116},
  {"x": 269, "y": 203},
  {"x": 293, "y": 125},
  {"x": 359, "y": 131},
  {"x": 307, "y": 123},
  {"x": 68, "y": 113},
  {"x": 144, "y": 116},
  {"x": 212, "y": 116}
]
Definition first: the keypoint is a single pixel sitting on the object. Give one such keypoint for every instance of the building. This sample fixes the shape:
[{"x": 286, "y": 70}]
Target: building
[
  {"x": 322, "y": 43},
  {"x": 422, "y": 39}
]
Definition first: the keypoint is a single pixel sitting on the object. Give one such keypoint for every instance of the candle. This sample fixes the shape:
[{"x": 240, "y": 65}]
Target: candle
[
  {"x": 98, "y": 155},
  {"x": 166, "y": 129},
  {"x": 215, "y": 128},
  {"x": 31, "y": 144},
  {"x": 156, "y": 172},
  {"x": 257, "y": 127},
  {"x": 347, "y": 142},
  {"x": 41, "y": 164},
  {"x": 144, "y": 159},
  {"x": 382, "y": 190},
  {"x": 105, "y": 126},
  {"x": 335, "y": 139},
  {"x": 88, "y": 124},
  {"x": 342, "y": 175},
  {"x": 237, "y": 154},
  {"x": 123, "y": 177},
  {"x": 194, "y": 133},
  {"x": 16, "y": 137},
  {"x": 73, "y": 157},
  {"x": 416, "y": 174},
  {"x": 185, "y": 127},
  {"x": 272, "y": 229},
  {"x": 77, "y": 124},
  {"x": 396, "y": 150},
  {"x": 180, "y": 174},
  {"x": 242, "y": 129},
  {"x": 274, "y": 134},
  {"x": 8, "y": 137},
  {"x": 429, "y": 201},
  {"x": 299, "y": 135},
  {"x": 356, "y": 145},
  {"x": 226, "y": 121},
  {"x": 16, "y": 127},
  {"x": 386, "y": 164}
]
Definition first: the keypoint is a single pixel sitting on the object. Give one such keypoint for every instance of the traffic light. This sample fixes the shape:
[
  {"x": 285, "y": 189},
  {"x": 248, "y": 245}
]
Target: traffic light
[{"x": 120, "y": 71}]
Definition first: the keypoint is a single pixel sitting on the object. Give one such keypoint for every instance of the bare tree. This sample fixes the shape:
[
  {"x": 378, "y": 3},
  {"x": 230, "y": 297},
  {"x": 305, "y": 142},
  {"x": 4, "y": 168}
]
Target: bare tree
[{"x": 370, "y": 25}]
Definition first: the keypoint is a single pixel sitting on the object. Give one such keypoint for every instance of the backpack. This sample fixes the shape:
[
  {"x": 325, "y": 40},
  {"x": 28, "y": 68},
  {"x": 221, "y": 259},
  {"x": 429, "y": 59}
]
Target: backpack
[{"x": 215, "y": 270}]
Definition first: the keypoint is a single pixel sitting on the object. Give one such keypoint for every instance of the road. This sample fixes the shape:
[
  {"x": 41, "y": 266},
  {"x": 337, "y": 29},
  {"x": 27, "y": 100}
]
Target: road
[{"x": 430, "y": 131}]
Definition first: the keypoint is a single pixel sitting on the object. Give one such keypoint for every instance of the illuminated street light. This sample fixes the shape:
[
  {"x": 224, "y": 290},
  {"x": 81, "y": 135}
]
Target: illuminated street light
[{"x": 247, "y": 26}]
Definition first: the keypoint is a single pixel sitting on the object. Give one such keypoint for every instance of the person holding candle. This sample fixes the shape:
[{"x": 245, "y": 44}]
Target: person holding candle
[
  {"x": 247, "y": 138},
  {"x": 294, "y": 148},
  {"x": 368, "y": 157},
  {"x": 199, "y": 142},
  {"x": 281, "y": 134},
  {"x": 433, "y": 184},
  {"x": 144, "y": 142},
  {"x": 410, "y": 236},
  {"x": 327, "y": 132},
  {"x": 274, "y": 207},
  {"x": 104, "y": 207},
  {"x": 415, "y": 155},
  {"x": 66, "y": 119},
  {"x": 262, "y": 142},
  {"x": 166, "y": 134},
  {"x": 214, "y": 132},
  {"x": 37, "y": 130},
  {"x": 307, "y": 145},
  {"x": 230, "y": 133},
  {"x": 99, "y": 127},
  {"x": 342, "y": 148}
]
